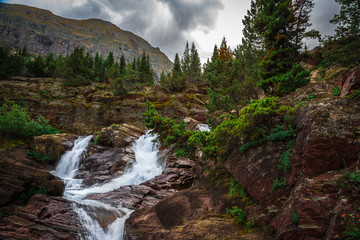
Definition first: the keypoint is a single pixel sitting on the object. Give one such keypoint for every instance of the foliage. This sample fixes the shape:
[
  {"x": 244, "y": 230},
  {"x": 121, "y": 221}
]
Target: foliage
[
  {"x": 355, "y": 177},
  {"x": 297, "y": 77},
  {"x": 31, "y": 192},
  {"x": 11, "y": 64},
  {"x": 275, "y": 21},
  {"x": 96, "y": 139},
  {"x": 336, "y": 91},
  {"x": 79, "y": 68},
  {"x": 39, "y": 156},
  {"x": 351, "y": 222},
  {"x": 285, "y": 161},
  {"x": 354, "y": 95},
  {"x": 236, "y": 190},
  {"x": 15, "y": 122},
  {"x": 278, "y": 183},
  {"x": 344, "y": 47},
  {"x": 237, "y": 213},
  {"x": 250, "y": 125},
  {"x": 232, "y": 78},
  {"x": 172, "y": 133},
  {"x": 294, "y": 216}
]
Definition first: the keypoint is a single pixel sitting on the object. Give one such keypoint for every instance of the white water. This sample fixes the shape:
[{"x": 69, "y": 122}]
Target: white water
[{"x": 145, "y": 168}]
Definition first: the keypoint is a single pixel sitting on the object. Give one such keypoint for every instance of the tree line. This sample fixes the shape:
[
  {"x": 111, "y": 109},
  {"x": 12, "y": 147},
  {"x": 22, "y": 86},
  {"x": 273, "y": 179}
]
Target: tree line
[{"x": 79, "y": 68}]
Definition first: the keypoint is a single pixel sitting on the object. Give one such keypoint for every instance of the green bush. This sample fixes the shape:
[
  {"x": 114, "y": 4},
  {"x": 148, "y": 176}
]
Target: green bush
[
  {"x": 297, "y": 77},
  {"x": 237, "y": 213},
  {"x": 251, "y": 125},
  {"x": 236, "y": 190},
  {"x": 278, "y": 183},
  {"x": 294, "y": 216},
  {"x": 15, "y": 122},
  {"x": 336, "y": 91}
]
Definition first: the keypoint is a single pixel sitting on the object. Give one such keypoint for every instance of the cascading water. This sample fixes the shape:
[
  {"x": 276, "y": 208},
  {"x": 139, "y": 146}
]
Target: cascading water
[{"x": 145, "y": 168}]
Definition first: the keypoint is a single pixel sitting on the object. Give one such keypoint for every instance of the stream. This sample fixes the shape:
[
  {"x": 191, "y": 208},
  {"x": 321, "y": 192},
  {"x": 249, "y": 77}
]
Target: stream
[{"x": 103, "y": 221}]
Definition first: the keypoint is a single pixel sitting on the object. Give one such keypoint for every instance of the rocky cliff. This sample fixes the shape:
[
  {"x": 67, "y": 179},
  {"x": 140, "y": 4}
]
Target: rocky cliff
[
  {"x": 43, "y": 32},
  {"x": 89, "y": 108}
]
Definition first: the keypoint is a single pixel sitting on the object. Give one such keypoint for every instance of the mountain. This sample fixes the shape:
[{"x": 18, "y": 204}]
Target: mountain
[{"x": 43, "y": 32}]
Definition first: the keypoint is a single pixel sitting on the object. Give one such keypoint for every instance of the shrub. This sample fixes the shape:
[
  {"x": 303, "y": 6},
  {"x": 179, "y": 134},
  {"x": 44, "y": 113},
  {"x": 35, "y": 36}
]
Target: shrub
[
  {"x": 15, "y": 122},
  {"x": 294, "y": 216},
  {"x": 251, "y": 125},
  {"x": 278, "y": 183},
  {"x": 236, "y": 190},
  {"x": 297, "y": 77},
  {"x": 237, "y": 213},
  {"x": 336, "y": 91}
]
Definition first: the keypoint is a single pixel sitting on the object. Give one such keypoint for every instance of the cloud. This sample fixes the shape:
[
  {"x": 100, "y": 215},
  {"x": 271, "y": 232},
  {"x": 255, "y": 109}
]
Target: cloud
[{"x": 163, "y": 23}]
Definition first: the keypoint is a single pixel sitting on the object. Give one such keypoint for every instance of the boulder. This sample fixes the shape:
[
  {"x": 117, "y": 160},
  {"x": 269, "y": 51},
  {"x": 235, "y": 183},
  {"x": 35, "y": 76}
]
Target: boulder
[
  {"x": 19, "y": 176},
  {"x": 349, "y": 82},
  {"x": 44, "y": 217}
]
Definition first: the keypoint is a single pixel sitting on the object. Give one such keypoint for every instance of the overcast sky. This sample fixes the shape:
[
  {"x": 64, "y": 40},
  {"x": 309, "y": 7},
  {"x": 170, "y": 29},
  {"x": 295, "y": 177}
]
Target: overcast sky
[{"x": 168, "y": 24}]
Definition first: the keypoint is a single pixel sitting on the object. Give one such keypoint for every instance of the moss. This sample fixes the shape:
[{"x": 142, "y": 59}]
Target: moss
[{"x": 11, "y": 143}]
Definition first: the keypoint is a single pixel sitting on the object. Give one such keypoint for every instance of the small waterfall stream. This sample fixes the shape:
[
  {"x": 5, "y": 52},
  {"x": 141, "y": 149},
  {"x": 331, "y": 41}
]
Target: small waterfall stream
[{"x": 93, "y": 213}]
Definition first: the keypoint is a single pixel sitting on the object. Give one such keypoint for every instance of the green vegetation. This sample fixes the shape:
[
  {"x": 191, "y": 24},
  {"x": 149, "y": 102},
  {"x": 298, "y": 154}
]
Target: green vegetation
[
  {"x": 351, "y": 222},
  {"x": 185, "y": 72},
  {"x": 294, "y": 216},
  {"x": 31, "y": 192},
  {"x": 355, "y": 177},
  {"x": 79, "y": 68},
  {"x": 237, "y": 213},
  {"x": 336, "y": 91},
  {"x": 15, "y": 122},
  {"x": 236, "y": 190},
  {"x": 278, "y": 183}
]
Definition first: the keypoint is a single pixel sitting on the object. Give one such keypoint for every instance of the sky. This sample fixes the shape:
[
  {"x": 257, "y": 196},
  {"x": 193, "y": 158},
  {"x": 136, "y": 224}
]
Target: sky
[{"x": 168, "y": 24}]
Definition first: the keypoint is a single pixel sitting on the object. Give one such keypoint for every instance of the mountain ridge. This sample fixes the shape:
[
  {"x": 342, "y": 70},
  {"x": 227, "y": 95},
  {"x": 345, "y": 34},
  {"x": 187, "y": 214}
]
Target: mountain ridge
[{"x": 44, "y": 32}]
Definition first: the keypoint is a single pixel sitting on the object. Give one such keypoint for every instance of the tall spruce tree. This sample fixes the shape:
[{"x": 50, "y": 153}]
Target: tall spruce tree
[
  {"x": 185, "y": 63},
  {"x": 195, "y": 65},
  {"x": 275, "y": 20}
]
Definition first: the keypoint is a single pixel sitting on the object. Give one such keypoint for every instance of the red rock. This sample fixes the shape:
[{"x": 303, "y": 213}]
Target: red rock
[{"x": 350, "y": 82}]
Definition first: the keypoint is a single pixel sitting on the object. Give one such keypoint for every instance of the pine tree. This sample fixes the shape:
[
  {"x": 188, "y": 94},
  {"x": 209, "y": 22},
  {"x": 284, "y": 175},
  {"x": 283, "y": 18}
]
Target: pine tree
[
  {"x": 122, "y": 66},
  {"x": 195, "y": 65},
  {"x": 344, "y": 47},
  {"x": 348, "y": 19},
  {"x": 176, "y": 70},
  {"x": 99, "y": 69},
  {"x": 185, "y": 63},
  {"x": 276, "y": 22}
]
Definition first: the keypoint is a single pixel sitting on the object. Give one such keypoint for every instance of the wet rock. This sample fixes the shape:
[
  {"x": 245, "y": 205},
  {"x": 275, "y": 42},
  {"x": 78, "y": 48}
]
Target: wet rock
[
  {"x": 177, "y": 175},
  {"x": 119, "y": 135},
  {"x": 53, "y": 145}
]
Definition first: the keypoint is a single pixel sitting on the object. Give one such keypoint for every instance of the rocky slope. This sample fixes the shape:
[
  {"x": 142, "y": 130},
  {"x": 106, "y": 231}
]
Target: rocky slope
[
  {"x": 43, "y": 32},
  {"x": 89, "y": 108},
  {"x": 318, "y": 200}
]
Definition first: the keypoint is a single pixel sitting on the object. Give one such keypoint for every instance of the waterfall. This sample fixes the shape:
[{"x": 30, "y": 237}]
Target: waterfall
[{"x": 145, "y": 168}]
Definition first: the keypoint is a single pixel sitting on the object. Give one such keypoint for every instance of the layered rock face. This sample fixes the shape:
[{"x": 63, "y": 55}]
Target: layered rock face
[
  {"x": 89, "y": 108},
  {"x": 43, "y": 32}
]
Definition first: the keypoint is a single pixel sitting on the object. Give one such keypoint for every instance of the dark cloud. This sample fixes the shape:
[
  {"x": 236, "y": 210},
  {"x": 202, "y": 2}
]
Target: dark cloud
[{"x": 164, "y": 23}]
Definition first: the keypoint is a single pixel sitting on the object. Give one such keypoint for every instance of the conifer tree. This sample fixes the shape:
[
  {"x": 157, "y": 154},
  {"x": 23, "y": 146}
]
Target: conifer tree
[
  {"x": 176, "y": 70},
  {"x": 122, "y": 66},
  {"x": 195, "y": 65},
  {"x": 185, "y": 63}
]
